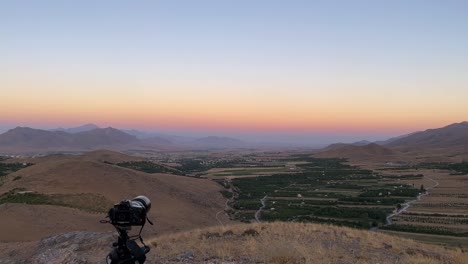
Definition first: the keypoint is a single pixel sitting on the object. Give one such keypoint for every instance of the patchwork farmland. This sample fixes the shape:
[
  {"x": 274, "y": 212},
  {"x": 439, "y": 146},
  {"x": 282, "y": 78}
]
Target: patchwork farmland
[{"x": 331, "y": 191}]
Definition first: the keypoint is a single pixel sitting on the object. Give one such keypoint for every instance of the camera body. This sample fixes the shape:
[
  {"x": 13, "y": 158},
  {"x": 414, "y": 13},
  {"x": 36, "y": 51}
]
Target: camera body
[
  {"x": 123, "y": 216},
  {"x": 130, "y": 212}
]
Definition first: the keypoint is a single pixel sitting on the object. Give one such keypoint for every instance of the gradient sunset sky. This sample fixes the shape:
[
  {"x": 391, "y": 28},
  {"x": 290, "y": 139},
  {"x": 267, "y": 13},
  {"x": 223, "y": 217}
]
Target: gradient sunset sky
[{"x": 273, "y": 70}]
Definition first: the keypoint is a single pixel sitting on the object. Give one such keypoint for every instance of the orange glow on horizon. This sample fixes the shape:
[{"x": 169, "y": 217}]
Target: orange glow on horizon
[
  {"x": 208, "y": 108},
  {"x": 226, "y": 121}
]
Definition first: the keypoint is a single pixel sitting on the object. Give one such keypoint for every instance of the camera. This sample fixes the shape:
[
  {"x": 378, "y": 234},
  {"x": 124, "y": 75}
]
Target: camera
[
  {"x": 123, "y": 216},
  {"x": 130, "y": 212}
]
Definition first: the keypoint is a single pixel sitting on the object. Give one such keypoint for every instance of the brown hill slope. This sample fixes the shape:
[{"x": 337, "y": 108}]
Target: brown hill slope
[
  {"x": 242, "y": 243},
  {"x": 288, "y": 242},
  {"x": 179, "y": 203},
  {"x": 367, "y": 152},
  {"x": 454, "y": 135}
]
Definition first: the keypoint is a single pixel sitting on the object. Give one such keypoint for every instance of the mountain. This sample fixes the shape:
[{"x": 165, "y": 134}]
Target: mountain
[
  {"x": 340, "y": 145},
  {"x": 390, "y": 140},
  {"x": 34, "y": 138},
  {"x": 104, "y": 137},
  {"x": 335, "y": 146},
  {"x": 370, "y": 151},
  {"x": 28, "y": 139},
  {"x": 454, "y": 135},
  {"x": 137, "y": 133},
  {"x": 361, "y": 143},
  {"x": 83, "y": 128}
]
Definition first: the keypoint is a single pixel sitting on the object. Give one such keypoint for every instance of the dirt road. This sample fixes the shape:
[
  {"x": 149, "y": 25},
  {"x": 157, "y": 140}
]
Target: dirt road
[
  {"x": 259, "y": 211},
  {"x": 407, "y": 205}
]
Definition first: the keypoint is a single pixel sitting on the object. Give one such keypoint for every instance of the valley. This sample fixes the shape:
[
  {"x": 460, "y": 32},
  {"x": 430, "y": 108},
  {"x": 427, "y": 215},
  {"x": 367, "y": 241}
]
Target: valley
[{"x": 372, "y": 187}]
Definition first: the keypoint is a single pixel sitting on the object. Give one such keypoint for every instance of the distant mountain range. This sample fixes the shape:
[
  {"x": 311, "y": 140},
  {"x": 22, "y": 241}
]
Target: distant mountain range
[
  {"x": 449, "y": 141},
  {"x": 454, "y": 135},
  {"x": 87, "y": 137},
  {"x": 91, "y": 137},
  {"x": 82, "y": 128},
  {"x": 29, "y": 139}
]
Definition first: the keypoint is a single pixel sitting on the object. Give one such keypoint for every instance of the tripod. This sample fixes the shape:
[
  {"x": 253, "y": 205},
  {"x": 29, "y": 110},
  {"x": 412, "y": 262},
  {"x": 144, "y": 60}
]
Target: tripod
[{"x": 126, "y": 250}]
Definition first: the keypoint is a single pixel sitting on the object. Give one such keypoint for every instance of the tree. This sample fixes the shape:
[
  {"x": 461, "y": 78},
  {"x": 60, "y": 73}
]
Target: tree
[
  {"x": 364, "y": 219},
  {"x": 422, "y": 188}
]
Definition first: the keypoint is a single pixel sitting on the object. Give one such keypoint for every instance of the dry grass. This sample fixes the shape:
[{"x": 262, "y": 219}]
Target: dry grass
[
  {"x": 173, "y": 198},
  {"x": 297, "y": 243}
]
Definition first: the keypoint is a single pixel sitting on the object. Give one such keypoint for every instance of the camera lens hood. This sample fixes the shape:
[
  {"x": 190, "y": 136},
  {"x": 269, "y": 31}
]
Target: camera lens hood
[{"x": 145, "y": 201}]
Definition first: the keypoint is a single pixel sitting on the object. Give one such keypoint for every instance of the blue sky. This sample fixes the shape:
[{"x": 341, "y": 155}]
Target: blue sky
[{"x": 349, "y": 68}]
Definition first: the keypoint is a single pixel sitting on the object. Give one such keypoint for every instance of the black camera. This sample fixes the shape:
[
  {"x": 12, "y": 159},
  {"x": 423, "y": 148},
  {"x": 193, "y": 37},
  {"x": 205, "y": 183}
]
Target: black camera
[
  {"x": 130, "y": 212},
  {"x": 123, "y": 216}
]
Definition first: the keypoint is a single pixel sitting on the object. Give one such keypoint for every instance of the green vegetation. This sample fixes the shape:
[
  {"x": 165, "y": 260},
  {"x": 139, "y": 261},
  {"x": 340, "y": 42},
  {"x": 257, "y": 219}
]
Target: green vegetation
[
  {"x": 405, "y": 176},
  {"x": 252, "y": 171},
  {"x": 7, "y": 168},
  {"x": 226, "y": 194},
  {"x": 371, "y": 200},
  {"x": 325, "y": 190},
  {"x": 148, "y": 167},
  {"x": 87, "y": 202},
  {"x": 193, "y": 165},
  {"x": 401, "y": 192}
]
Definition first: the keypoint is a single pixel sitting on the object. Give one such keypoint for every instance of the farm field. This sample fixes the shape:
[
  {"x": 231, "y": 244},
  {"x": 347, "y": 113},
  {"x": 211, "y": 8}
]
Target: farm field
[
  {"x": 324, "y": 190},
  {"x": 296, "y": 187},
  {"x": 256, "y": 171},
  {"x": 444, "y": 211},
  {"x": 300, "y": 188}
]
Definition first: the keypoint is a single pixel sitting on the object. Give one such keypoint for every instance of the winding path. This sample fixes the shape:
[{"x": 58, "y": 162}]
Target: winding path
[
  {"x": 407, "y": 205},
  {"x": 226, "y": 204},
  {"x": 226, "y": 207},
  {"x": 259, "y": 211}
]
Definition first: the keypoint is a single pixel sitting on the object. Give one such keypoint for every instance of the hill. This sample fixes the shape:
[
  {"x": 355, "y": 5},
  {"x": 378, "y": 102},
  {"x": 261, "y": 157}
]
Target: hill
[
  {"x": 83, "y": 128},
  {"x": 446, "y": 144},
  {"x": 23, "y": 139},
  {"x": 242, "y": 243},
  {"x": 366, "y": 152},
  {"x": 74, "y": 192},
  {"x": 454, "y": 135}
]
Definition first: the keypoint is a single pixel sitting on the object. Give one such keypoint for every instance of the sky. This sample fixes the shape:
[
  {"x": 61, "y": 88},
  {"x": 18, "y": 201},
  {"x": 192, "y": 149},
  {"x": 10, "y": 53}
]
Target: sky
[{"x": 298, "y": 71}]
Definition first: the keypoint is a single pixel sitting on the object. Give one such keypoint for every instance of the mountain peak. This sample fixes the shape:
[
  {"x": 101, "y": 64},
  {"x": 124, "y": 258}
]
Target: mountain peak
[
  {"x": 82, "y": 128},
  {"x": 455, "y": 134}
]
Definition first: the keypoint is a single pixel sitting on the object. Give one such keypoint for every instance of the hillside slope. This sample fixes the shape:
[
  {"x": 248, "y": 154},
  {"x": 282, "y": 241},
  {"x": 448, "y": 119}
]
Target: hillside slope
[
  {"x": 454, "y": 135},
  {"x": 87, "y": 182},
  {"x": 244, "y": 243},
  {"x": 357, "y": 153}
]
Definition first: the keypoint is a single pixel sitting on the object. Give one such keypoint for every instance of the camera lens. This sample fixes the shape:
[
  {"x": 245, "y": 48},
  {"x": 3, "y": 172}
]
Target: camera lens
[{"x": 145, "y": 201}]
